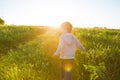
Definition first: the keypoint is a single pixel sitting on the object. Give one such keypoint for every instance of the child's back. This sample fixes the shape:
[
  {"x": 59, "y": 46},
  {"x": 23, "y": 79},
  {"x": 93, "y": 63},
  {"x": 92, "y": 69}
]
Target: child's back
[{"x": 68, "y": 44}]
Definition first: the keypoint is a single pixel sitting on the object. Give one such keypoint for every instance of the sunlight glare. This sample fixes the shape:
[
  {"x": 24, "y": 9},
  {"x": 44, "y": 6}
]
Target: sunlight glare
[{"x": 68, "y": 67}]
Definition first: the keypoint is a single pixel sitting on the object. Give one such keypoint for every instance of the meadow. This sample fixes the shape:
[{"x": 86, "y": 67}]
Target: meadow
[{"x": 26, "y": 53}]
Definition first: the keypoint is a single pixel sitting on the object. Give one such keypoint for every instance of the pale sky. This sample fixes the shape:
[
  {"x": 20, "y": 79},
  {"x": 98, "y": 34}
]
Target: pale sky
[{"x": 81, "y": 13}]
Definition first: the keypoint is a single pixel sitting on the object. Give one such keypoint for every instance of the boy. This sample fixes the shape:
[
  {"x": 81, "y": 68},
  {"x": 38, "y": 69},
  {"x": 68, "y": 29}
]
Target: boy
[{"x": 66, "y": 49}]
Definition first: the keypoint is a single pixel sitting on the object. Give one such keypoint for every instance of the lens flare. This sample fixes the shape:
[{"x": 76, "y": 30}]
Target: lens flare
[{"x": 68, "y": 67}]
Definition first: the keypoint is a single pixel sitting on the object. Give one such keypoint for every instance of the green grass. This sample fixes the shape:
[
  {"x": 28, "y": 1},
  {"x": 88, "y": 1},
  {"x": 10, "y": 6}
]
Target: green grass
[{"x": 26, "y": 54}]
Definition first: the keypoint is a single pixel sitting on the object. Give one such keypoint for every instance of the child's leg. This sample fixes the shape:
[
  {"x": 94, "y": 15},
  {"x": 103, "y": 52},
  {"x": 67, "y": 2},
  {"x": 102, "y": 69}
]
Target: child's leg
[
  {"x": 68, "y": 69},
  {"x": 62, "y": 69}
]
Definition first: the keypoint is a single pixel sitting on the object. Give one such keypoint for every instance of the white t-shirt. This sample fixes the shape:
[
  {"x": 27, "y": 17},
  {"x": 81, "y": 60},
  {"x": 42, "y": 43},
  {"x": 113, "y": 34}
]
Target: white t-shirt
[{"x": 67, "y": 46}]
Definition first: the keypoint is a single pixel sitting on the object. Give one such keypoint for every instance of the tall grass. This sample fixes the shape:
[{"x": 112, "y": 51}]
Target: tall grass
[{"x": 31, "y": 57}]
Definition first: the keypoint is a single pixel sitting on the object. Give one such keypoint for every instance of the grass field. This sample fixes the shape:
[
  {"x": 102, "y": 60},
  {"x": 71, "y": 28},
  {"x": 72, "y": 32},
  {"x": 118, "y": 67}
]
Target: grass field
[{"x": 26, "y": 53}]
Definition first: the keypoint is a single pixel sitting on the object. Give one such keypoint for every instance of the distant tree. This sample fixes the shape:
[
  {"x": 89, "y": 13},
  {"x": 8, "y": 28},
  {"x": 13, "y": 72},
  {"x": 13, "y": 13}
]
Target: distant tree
[{"x": 2, "y": 22}]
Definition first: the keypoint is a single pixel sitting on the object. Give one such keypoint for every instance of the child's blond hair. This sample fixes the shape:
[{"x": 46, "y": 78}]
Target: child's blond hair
[{"x": 67, "y": 26}]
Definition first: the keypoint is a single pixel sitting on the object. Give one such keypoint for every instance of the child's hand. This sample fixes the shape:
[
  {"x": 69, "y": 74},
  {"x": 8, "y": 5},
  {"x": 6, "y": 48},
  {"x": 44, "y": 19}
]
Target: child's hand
[
  {"x": 83, "y": 49},
  {"x": 54, "y": 55}
]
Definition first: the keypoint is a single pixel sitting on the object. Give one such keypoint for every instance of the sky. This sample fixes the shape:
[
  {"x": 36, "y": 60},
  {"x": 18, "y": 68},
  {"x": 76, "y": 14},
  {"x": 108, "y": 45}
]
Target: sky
[{"x": 81, "y": 13}]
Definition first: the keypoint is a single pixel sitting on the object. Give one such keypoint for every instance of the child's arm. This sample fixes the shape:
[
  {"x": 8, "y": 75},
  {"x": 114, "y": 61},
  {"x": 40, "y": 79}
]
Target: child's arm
[
  {"x": 60, "y": 45},
  {"x": 78, "y": 44}
]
